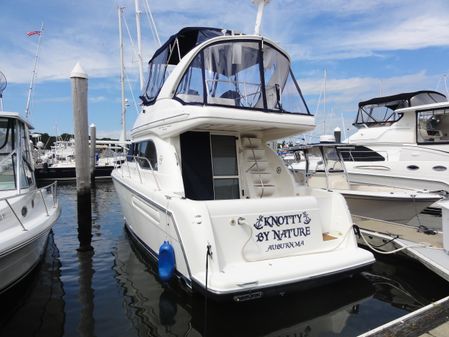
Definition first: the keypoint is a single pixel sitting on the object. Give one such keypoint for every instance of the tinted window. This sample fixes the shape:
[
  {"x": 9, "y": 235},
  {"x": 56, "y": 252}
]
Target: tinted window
[
  {"x": 360, "y": 153},
  {"x": 144, "y": 152},
  {"x": 432, "y": 126},
  {"x": 131, "y": 152}
]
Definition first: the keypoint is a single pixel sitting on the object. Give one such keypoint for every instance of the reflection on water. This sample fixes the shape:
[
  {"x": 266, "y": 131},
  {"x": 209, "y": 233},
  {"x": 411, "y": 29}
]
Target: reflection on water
[
  {"x": 113, "y": 291},
  {"x": 35, "y": 307}
]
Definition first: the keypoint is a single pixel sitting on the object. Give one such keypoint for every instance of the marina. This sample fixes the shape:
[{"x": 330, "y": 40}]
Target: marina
[
  {"x": 210, "y": 211},
  {"x": 115, "y": 291}
]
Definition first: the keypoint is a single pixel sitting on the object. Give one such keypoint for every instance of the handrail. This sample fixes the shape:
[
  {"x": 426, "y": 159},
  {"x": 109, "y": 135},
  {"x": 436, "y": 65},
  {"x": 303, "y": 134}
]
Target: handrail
[
  {"x": 51, "y": 186},
  {"x": 136, "y": 159}
]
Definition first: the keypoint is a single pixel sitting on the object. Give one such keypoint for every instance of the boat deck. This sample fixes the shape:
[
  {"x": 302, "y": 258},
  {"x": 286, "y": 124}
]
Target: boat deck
[{"x": 425, "y": 248}]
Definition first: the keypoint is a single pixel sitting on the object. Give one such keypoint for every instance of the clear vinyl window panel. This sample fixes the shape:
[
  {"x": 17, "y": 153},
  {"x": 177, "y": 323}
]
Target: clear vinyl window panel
[
  {"x": 333, "y": 159},
  {"x": 232, "y": 74},
  {"x": 282, "y": 91},
  {"x": 190, "y": 89},
  {"x": 8, "y": 157},
  {"x": 433, "y": 126},
  {"x": 242, "y": 74}
]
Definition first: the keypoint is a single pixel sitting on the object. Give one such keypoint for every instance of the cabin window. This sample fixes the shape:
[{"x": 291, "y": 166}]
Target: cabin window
[
  {"x": 439, "y": 168},
  {"x": 432, "y": 126},
  {"x": 360, "y": 153},
  {"x": 413, "y": 167},
  {"x": 145, "y": 154},
  {"x": 224, "y": 167},
  {"x": 131, "y": 152}
]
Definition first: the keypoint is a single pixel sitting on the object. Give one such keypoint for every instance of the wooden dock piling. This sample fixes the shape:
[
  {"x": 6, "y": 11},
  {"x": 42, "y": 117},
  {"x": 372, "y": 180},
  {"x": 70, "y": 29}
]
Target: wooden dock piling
[{"x": 83, "y": 186}]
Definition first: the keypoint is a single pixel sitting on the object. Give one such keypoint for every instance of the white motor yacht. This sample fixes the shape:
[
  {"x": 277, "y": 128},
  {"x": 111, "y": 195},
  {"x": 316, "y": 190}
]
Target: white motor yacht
[
  {"x": 204, "y": 195},
  {"x": 27, "y": 213},
  {"x": 402, "y": 140},
  {"x": 323, "y": 167}
]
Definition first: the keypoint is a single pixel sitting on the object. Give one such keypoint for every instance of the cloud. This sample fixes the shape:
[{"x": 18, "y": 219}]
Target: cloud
[{"x": 347, "y": 92}]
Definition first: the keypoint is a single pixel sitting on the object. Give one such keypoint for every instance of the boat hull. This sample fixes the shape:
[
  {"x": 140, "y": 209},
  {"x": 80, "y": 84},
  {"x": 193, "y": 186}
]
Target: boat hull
[
  {"x": 395, "y": 209},
  {"x": 69, "y": 173},
  {"x": 23, "y": 243},
  {"x": 241, "y": 275},
  {"x": 17, "y": 264}
]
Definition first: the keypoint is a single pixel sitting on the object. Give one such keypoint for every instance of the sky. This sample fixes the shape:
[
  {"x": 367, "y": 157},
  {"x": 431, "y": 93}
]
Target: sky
[{"x": 366, "y": 48}]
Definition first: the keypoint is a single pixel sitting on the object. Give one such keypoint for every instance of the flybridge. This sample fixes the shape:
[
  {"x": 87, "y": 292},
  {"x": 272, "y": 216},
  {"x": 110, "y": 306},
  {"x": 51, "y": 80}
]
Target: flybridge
[
  {"x": 236, "y": 70},
  {"x": 382, "y": 110}
]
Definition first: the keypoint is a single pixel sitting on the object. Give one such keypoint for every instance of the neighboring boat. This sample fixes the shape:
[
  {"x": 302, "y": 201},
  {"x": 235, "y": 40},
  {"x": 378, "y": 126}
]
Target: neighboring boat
[
  {"x": 202, "y": 193},
  {"x": 59, "y": 163},
  {"x": 26, "y": 212},
  {"x": 402, "y": 140},
  {"x": 324, "y": 168}
]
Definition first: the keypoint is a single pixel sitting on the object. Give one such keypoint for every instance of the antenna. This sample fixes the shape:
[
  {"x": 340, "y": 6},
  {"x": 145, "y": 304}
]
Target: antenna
[
  {"x": 3, "y": 84},
  {"x": 36, "y": 57},
  {"x": 260, "y": 7}
]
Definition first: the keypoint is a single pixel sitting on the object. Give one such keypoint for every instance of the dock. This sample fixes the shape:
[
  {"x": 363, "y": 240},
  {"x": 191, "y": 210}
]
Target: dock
[
  {"x": 429, "y": 321},
  {"x": 424, "y": 246}
]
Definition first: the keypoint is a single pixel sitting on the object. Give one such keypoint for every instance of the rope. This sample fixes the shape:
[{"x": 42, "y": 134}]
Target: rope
[
  {"x": 395, "y": 250},
  {"x": 208, "y": 253}
]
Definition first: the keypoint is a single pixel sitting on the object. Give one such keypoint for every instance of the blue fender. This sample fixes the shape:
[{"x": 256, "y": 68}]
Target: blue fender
[{"x": 166, "y": 261}]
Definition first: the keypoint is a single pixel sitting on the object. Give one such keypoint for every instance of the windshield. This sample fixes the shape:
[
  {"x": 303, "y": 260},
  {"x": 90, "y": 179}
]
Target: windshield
[
  {"x": 7, "y": 158},
  {"x": 377, "y": 115},
  {"x": 381, "y": 111},
  {"x": 15, "y": 155},
  {"x": 242, "y": 74}
]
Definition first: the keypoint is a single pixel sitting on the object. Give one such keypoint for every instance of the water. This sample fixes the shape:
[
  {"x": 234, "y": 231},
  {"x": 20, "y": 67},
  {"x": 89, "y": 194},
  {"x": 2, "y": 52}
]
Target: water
[{"x": 114, "y": 292}]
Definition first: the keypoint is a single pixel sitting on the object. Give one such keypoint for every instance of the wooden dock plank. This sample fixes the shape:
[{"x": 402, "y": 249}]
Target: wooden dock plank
[{"x": 403, "y": 231}]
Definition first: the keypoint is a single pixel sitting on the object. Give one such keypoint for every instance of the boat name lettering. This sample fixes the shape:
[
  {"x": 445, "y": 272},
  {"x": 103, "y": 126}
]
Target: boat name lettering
[
  {"x": 285, "y": 245},
  {"x": 280, "y": 220},
  {"x": 277, "y": 234}
]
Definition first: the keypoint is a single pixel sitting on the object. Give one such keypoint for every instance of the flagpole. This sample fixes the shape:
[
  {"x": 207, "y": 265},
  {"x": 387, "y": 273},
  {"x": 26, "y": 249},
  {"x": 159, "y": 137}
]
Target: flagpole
[{"x": 30, "y": 89}]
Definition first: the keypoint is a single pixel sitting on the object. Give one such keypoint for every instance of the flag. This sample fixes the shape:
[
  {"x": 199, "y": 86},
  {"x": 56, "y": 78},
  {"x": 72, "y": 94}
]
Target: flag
[{"x": 34, "y": 32}]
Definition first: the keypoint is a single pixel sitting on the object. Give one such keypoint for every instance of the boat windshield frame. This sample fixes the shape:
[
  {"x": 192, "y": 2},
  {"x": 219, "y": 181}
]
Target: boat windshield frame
[
  {"x": 273, "y": 101},
  {"x": 369, "y": 114},
  {"x": 15, "y": 155}
]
